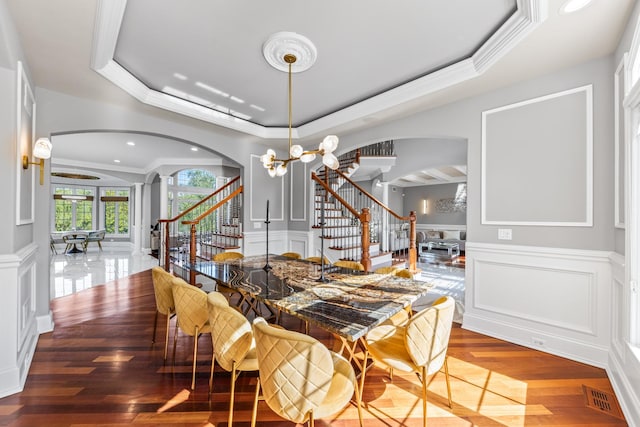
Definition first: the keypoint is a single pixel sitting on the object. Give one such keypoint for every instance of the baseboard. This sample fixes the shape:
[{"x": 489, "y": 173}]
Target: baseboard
[
  {"x": 557, "y": 345},
  {"x": 628, "y": 399},
  {"x": 45, "y": 323}
]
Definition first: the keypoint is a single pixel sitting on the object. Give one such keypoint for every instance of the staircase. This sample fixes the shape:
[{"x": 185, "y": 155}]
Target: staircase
[
  {"x": 209, "y": 227},
  {"x": 357, "y": 226}
]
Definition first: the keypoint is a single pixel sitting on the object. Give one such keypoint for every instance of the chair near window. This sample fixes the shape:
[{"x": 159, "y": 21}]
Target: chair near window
[
  {"x": 193, "y": 316},
  {"x": 72, "y": 240},
  {"x": 165, "y": 305},
  {"x": 52, "y": 245},
  {"x": 95, "y": 236},
  {"x": 300, "y": 378},
  {"x": 420, "y": 345}
]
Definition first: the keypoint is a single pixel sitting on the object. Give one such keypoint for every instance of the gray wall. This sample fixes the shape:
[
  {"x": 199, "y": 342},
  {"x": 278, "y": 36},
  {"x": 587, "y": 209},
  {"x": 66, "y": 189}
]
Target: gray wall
[
  {"x": 463, "y": 121},
  {"x": 432, "y": 193}
]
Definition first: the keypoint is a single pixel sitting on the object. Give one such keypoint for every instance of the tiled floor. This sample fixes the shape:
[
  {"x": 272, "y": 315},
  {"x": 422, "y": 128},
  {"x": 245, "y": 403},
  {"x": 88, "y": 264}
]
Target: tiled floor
[{"x": 76, "y": 272}]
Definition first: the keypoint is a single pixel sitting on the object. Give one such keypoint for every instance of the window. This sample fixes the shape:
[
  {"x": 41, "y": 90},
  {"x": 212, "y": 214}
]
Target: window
[
  {"x": 73, "y": 208},
  {"x": 192, "y": 186},
  {"x": 115, "y": 204}
]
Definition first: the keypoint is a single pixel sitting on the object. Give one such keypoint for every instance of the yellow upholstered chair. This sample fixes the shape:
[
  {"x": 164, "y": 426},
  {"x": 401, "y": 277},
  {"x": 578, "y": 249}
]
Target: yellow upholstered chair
[
  {"x": 193, "y": 316},
  {"x": 404, "y": 273},
  {"x": 385, "y": 270},
  {"x": 318, "y": 260},
  {"x": 353, "y": 265},
  {"x": 233, "y": 345},
  {"x": 292, "y": 255},
  {"x": 164, "y": 301},
  {"x": 225, "y": 256},
  {"x": 420, "y": 345},
  {"x": 300, "y": 378}
]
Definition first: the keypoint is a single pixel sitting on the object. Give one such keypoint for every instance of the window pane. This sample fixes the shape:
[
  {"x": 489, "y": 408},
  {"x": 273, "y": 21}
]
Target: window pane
[
  {"x": 62, "y": 220},
  {"x": 84, "y": 215},
  {"x": 110, "y": 217}
]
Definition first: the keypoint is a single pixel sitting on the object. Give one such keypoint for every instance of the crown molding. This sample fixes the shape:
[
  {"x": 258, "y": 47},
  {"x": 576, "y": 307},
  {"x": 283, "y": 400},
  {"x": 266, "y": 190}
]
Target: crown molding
[{"x": 529, "y": 15}]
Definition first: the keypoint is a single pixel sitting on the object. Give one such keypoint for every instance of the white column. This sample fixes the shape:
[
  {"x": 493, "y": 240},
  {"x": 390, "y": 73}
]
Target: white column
[
  {"x": 164, "y": 211},
  {"x": 137, "y": 236}
]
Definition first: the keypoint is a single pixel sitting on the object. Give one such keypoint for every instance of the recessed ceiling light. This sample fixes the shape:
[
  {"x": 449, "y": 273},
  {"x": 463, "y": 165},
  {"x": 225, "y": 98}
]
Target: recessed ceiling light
[
  {"x": 117, "y": 161},
  {"x": 131, "y": 143},
  {"x": 194, "y": 148},
  {"x": 179, "y": 76},
  {"x": 571, "y": 6},
  {"x": 236, "y": 99},
  {"x": 256, "y": 107}
]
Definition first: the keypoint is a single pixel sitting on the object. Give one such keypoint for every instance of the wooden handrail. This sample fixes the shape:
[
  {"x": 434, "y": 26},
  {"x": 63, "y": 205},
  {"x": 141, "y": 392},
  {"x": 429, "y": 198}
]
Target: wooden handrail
[
  {"x": 181, "y": 214},
  {"x": 214, "y": 207},
  {"x": 334, "y": 194},
  {"x": 369, "y": 195}
]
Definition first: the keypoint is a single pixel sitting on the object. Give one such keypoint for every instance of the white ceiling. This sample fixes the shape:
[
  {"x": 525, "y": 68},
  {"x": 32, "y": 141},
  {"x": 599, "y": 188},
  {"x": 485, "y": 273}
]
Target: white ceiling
[{"x": 365, "y": 47}]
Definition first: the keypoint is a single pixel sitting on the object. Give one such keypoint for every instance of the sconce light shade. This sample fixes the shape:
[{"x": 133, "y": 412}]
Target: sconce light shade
[
  {"x": 42, "y": 151},
  {"x": 42, "y": 148}
]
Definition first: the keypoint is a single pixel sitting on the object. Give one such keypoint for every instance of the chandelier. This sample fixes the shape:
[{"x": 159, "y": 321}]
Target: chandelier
[{"x": 274, "y": 165}]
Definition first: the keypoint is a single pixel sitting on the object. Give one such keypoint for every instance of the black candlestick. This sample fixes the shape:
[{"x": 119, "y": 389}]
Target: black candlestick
[
  {"x": 267, "y": 267},
  {"x": 322, "y": 223}
]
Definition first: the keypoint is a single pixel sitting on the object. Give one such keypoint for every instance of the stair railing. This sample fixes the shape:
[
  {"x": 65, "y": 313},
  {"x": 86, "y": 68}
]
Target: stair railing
[
  {"x": 392, "y": 232},
  {"x": 174, "y": 235}
]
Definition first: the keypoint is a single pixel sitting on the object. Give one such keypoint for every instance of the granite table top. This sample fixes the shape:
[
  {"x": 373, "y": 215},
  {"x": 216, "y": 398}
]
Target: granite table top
[{"x": 348, "y": 303}]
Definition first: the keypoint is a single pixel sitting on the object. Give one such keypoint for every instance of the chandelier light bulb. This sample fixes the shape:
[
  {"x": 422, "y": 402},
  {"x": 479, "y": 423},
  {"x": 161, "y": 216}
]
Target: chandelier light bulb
[
  {"x": 281, "y": 170},
  {"x": 329, "y": 143},
  {"x": 296, "y": 151},
  {"x": 330, "y": 161},
  {"x": 306, "y": 158},
  {"x": 272, "y": 172}
]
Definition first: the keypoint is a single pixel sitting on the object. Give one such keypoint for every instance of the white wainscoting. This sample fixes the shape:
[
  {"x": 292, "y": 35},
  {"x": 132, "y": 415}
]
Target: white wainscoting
[
  {"x": 19, "y": 333},
  {"x": 279, "y": 241},
  {"x": 624, "y": 358},
  {"x": 555, "y": 300}
]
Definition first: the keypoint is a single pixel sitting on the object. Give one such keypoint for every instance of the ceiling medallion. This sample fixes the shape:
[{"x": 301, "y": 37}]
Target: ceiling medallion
[
  {"x": 281, "y": 51},
  {"x": 289, "y": 43}
]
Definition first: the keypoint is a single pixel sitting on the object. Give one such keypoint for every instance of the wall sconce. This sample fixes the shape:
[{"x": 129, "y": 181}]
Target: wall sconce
[
  {"x": 425, "y": 206},
  {"x": 42, "y": 151}
]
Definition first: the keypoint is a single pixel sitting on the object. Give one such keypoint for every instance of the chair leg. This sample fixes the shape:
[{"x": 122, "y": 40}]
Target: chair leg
[
  {"x": 195, "y": 359},
  {"x": 311, "y": 424},
  {"x": 446, "y": 376},
  {"x": 155, "y": 327},
  {"x": 175, "y": 340},
  {"x": 166, "y": 337},
  {"x": 255, "y": 404},
  {"x": 100, "y": 245},
  {"x": 213, "y": 364},
  {"x": 424, "y": 396},
  {"x": 233, "y": 390}
]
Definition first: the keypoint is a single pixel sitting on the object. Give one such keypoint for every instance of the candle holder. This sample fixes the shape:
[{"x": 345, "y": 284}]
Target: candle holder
[
  {"x": 267, "y": 267},
  {"x": 322, "y": 224}
]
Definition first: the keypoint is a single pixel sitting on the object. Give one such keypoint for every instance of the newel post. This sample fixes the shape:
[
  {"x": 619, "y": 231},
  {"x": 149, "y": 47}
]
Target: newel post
[
  {"x": 413, "y": 253},
  {"x": 192, "y": 254},
  {"x": 365, "y": 218},
  {"x": 165, "y": 255}
]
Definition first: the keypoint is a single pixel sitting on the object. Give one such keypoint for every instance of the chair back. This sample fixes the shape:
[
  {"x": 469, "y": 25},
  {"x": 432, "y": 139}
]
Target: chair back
[
  {"x": 292, "y": 255},
  {"x": 191, "y": 306},
  {"x": 295, "y": 370},
  {"x": 427, "y": 334},
  {"x": 318, "y": 260},
  {"x": 385, "y": 270},
  {"x": 404, "y": 273},
  {"x": 96, "y": 235},
  {"x": 162, "y": 290},
  {"x": 353, "y": 265},
  {"x": 224, "y": 256},
  {"x": 231, "y": 333}
]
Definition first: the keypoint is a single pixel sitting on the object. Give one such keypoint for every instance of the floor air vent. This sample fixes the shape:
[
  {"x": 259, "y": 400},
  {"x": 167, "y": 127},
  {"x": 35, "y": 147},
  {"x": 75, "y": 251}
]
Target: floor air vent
[{"x": 602, "y": 401}]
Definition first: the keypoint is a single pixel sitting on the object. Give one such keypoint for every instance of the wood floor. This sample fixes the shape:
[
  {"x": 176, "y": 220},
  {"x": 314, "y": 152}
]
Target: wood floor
[{"x": 99, "y": 368}]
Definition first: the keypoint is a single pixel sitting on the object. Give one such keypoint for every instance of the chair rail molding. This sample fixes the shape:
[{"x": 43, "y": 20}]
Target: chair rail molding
[{"x": 556, "y": 300}]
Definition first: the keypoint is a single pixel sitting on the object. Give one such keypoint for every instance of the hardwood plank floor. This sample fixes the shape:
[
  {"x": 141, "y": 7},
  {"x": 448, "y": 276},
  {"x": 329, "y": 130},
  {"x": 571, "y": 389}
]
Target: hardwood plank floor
[{"x": 99, "y": 368}]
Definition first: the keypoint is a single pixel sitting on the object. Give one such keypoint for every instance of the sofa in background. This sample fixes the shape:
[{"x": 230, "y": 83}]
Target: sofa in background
[{"x": 446, "y": 236}]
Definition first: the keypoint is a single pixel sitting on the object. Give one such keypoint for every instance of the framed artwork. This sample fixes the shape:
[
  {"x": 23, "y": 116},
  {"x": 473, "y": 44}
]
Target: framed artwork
[{"x": 25, "y": 131}]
